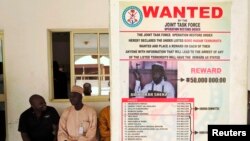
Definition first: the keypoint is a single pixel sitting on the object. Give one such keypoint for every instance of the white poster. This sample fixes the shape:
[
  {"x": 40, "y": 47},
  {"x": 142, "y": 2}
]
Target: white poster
[{"x": 172, "y": 54}]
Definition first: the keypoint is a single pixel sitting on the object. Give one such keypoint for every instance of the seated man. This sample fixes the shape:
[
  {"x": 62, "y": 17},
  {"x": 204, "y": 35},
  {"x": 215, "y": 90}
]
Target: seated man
[
  {"x": 39, "y": 122},
  {"x": 79, "y": 121},
  {"x": 87, "y": 89},
  {"x": 104, "y": 124}
]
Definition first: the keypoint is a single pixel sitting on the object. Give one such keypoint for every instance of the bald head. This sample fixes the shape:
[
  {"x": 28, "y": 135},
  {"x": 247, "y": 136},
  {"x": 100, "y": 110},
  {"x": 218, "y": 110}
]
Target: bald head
[
  {"x": 34, "y": 97},
  {"x": 37, "y": 102}
]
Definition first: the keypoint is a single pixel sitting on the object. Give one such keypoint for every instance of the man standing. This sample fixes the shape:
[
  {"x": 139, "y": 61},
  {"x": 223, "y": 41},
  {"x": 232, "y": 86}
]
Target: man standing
[
  {"x": 158, "y": 87},
  {"x": 79, "y": 121},
  {"x": 87, "y": 90},
  {"x": 39, "y": 122}
]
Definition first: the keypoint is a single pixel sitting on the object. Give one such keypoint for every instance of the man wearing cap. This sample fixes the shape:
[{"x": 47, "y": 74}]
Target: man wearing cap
[
  {"x": 79, "y": 121},
  {"x": 158, "y": 87}
]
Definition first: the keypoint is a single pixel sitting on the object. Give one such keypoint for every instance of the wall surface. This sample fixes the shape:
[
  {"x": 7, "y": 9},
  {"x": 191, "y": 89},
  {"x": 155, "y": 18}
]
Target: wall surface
[
  {"x": 238, "y": 60},
  {"x": 25, "y": 25},
  {"x": 248, "y": 45}
]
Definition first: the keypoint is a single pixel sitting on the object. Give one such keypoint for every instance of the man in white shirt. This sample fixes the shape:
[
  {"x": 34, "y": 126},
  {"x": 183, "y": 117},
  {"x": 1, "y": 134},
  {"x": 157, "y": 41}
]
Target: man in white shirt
[
  {"x": 79, "y": 121},
  {"x": 158, "y": 87}
]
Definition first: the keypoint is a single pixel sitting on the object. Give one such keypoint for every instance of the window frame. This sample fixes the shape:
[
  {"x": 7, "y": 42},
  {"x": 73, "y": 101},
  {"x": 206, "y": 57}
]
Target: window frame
[{"x": 99, "y": 98}]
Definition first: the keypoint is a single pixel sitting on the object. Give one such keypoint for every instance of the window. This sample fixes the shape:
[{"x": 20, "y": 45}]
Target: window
[{"x": 79, "y": 57}]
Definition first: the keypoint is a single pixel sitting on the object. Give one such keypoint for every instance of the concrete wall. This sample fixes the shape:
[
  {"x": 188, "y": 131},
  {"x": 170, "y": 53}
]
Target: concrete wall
[{"x": 25, "y": 25}]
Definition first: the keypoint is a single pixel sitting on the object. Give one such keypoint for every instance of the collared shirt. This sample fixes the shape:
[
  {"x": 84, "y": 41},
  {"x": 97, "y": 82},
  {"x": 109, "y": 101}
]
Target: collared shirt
[
  {"x": 163, "y": 89},
  {"x": 39, "y": 129},
  {"x": 78, "y": 125}
]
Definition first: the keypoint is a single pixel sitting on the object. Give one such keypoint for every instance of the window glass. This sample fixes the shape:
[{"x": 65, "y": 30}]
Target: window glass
[
  {"x": 86, "y": 65},
  {"x": 85, "y": 43},
  {"x": 104, "y": 44}
]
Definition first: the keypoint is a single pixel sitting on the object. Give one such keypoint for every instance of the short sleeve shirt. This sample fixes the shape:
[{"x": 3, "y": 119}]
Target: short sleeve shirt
[{"x": 39, "y": 129}]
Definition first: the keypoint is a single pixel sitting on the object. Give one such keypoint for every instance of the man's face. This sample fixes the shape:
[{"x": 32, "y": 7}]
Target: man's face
[
  {"x": 87, "y": 89},
  {"x": 38, "y": 104},
  {"x": 75, "y": 98},
  {"x": 157, "y": 74}
]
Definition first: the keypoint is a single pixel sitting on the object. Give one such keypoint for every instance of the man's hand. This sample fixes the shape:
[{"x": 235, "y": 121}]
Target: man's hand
[{"x": 137, "y": 75}]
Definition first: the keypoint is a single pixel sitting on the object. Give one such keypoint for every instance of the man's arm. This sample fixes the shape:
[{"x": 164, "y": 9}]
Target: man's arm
[
  {"x": 103, "y": 124},
  {"x": 55, "y": 131},
  {"x": 137, "y": 86},
  {"x": 137, "y": 77},
  {"x": 170, "y": 90},
  {"x": 25, "y": 136},
  {"x": 22, "y": 127},
  {"x": 62, "y": 134},
  {"x": 55, "y": 121}
]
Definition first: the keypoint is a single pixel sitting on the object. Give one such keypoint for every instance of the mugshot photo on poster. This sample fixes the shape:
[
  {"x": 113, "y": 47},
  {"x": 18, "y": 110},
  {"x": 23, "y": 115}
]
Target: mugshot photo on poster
[{"x": 152, "y": 79}]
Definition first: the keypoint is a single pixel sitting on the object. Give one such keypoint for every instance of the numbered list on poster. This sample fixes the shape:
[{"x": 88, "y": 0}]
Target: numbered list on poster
[{"x": 147, "y": 119}]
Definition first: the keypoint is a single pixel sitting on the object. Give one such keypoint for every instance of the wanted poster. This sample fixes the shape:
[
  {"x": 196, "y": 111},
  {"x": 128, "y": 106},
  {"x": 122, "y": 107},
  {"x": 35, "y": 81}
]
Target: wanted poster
[{"x": 173, "y": 54}]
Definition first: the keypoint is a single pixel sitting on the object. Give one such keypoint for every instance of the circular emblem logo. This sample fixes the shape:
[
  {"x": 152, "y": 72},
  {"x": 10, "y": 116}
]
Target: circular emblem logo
[{"x": 132, "y": 16}]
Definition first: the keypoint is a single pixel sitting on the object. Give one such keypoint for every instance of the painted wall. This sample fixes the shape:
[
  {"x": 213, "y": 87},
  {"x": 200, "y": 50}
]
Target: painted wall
[
  {"x": 25, "y": 25},
  {"x": 248, "y": 52}
]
